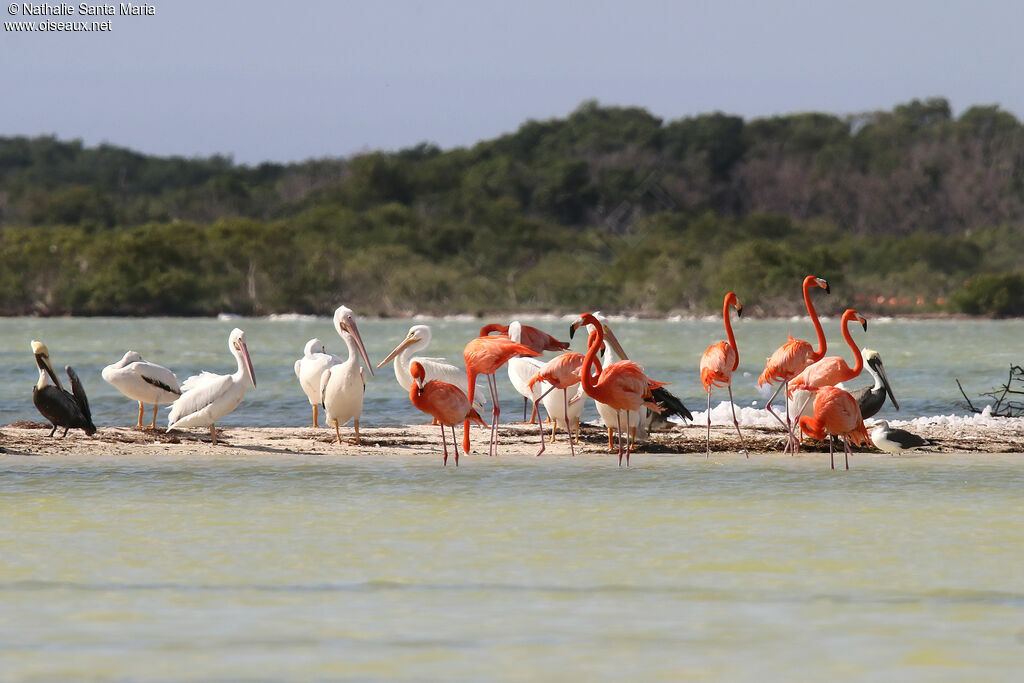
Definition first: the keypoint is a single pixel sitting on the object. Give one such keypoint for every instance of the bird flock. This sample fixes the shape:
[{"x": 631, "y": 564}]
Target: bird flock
[{"x": 626, "y": 397}]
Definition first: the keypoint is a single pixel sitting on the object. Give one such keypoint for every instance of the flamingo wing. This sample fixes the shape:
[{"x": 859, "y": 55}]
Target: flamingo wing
[{"x": 716, "y": 365}]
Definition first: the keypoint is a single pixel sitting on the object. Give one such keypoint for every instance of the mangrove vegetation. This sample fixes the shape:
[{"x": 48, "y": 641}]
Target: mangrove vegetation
[{"x": 910, "y": 211}]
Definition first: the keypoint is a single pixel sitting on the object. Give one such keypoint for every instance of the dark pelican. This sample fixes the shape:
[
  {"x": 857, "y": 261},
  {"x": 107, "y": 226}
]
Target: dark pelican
[
  {"x": 62, "y": 408},
  {"x": 894, "y": 440},
  {"x": 872, "y": 398}
]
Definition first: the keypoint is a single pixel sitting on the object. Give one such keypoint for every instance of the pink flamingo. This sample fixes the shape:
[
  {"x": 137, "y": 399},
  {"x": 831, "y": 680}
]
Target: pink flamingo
[
  {"x": 836, "y": 412},
  {"x": 792, "y": 357},
  {"x": 830, "y": 370},
  {"x": 443, "y": 401},
  {"x": 718, "y": 363},
  {"x": 622, "y": 384},
  {"x": 561, "y": 372},
  {"x": 484, "y": 356},
  {"x": 538, "y": 340}
]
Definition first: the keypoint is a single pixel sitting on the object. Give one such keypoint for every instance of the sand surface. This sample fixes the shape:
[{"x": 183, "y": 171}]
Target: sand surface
[{"x": 993, "y": 435}]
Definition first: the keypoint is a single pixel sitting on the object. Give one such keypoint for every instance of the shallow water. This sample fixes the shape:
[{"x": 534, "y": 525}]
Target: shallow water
[
  {"x": 278, "y": 567},
  {"x": 922, "y": 358}
]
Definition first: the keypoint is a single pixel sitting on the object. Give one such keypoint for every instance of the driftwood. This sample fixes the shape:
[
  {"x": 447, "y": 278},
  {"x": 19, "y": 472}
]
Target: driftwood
[{"x": 1006, "y": 405}]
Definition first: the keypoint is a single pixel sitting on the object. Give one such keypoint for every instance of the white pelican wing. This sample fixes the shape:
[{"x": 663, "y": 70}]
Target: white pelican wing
[{"x": 197, "y": 403}]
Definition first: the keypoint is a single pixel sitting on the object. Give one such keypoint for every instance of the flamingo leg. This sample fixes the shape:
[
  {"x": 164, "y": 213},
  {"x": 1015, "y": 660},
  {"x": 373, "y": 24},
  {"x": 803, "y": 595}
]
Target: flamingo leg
[
  {"x": 540, "y": 426},
  {"x": 524, "y": 410},
  {"x": 140, "y": 414},
  {"x": 786, "y": 424},
  {"x": 444, "y": 445},
  {"x": 568, "y": 429},
  {"x": 455, "y": 444},
  {"x": 831, "y": 456},
  {"x": 153, "y": 426},
  {"x": 736, "y": 422},
  {"x": 632, "y": 438},
  {"x": 618, "y": 423},
  {"x": 796, "y": 422},
  {"x": 471, "y": 379},
  {"x": 846, "y": 448},
  {"x": 708, "y": 454},
  {"x": 492, "y": 449}
]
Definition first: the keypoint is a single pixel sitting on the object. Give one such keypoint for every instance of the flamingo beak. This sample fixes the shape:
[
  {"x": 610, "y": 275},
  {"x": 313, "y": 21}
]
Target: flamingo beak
[
  {"x": 739, "y": 310},
  {"x": 411, "y": 339},
  {"x": 864, "y": 323},
  {"x": 354, "y": 331},
  {"x": 823, "y": 284}
]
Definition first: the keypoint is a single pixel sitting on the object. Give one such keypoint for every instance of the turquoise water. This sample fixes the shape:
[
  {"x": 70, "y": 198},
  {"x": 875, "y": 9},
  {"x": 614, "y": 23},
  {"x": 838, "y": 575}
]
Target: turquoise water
[
  {"x": 149, "y": 567},
  {"x": 922, "y": 358},
  {"x": 304, "y": 568}
]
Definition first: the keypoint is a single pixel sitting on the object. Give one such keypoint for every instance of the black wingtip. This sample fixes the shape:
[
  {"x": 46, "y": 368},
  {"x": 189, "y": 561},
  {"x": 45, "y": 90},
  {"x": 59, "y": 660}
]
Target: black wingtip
[{"x": 671, "y": 403}]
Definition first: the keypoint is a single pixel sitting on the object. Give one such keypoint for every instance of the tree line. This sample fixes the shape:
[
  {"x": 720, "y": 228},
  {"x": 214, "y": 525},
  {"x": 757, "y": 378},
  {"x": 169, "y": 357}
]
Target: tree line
[{"x": 911, "y": 210}]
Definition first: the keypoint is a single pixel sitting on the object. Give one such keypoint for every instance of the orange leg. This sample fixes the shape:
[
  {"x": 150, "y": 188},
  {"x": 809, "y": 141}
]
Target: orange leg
[{"x": 141, "y": 409}]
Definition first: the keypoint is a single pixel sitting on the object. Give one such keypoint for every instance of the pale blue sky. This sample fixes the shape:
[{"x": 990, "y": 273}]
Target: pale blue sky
[{"x": 286, "y": 81}]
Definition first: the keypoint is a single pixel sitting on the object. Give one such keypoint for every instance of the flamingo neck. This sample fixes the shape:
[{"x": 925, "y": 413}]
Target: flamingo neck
[
  {"x": 858, "y": 363},
  {"x": 819, "y": 353},
  {"x": 729, "y": 334},
  {"x": 590, "y": 380}
]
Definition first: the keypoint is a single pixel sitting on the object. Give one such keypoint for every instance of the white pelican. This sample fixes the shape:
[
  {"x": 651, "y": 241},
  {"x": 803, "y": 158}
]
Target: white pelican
[
  {"x": 62, "y": 408},
  {"x": 143, "y": 381},
  {"x": 207, "y": 397},
  {"x": 342, "y": 386},
  {"x": 310, "y": 368},
  {"x": 521, "y": 369},
  {"x": 418, "y": 340}
]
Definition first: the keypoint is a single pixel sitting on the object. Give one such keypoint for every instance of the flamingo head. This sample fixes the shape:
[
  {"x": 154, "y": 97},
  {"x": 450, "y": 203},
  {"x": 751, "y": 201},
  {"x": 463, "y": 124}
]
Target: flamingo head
[
  {"x": 732, "y": 300},
  {"x": 418, "y": 373},
  {"x": 814, "y": 281}
]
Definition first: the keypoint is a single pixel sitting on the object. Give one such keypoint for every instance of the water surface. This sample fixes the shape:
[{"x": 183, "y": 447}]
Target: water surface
[{"x": 295, "y": 567}]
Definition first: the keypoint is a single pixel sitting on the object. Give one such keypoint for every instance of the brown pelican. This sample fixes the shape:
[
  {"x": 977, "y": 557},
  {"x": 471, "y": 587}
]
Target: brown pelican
[
  {"x": 208, "y": 397},
  {"x": 62, "y": 408},
  {"x": 894, "y": 440},
  {"x": 872, "y": 398},
  {"x": 143, "y": 381}
]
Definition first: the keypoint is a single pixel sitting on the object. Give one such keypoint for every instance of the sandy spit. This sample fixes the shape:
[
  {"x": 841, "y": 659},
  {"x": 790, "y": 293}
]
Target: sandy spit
[{"x": 31, "y": 438}]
